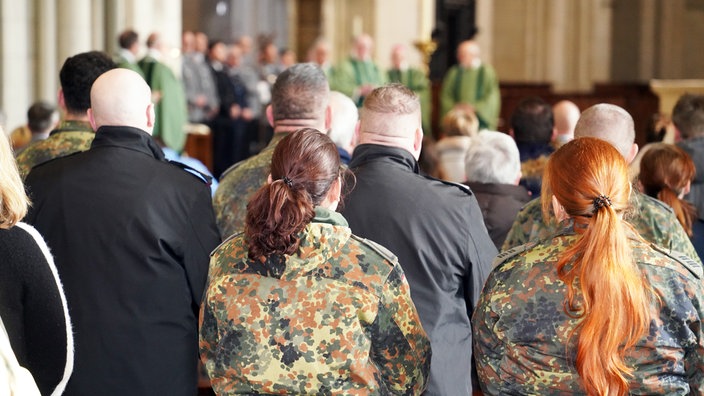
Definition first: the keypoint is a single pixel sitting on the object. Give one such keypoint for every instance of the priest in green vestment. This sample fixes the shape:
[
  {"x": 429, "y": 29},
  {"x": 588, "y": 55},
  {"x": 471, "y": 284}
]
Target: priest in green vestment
[
  {"x": 127, "y": 54},
  {"x": 168, "y": 96},
  {"x": 474, "y": 83},
  {"x": 413, "y": 78},
  {"x": 359, "y": 75}
]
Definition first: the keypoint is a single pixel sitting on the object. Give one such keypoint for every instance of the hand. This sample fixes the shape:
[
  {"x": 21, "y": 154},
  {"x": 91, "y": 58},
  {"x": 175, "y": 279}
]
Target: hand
[
  {"x": 235, "y": 111},
  {"x": 247, "y": 114}
]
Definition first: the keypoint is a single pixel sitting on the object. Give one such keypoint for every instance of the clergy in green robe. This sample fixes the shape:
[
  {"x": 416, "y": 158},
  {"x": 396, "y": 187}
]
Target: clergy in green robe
[
  {"x": 474, "y": 83},
  {"x": 413, "y": 78},
  {"x": 168, "y": 96},
  {"x": 359, "y": 75}
]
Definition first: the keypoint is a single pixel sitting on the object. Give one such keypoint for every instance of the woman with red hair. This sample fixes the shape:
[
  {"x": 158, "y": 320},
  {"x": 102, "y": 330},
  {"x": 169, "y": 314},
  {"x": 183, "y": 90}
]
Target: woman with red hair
[{"x": 593, "y": 309}]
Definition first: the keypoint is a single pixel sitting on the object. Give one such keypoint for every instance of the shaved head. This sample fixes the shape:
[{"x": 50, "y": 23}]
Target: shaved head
[
  {"x": 121, "y": 97},
  {"x": 566, "y": 115},
  {"x": 611, "y": 123},
  {"x": 390, "y": 116}
]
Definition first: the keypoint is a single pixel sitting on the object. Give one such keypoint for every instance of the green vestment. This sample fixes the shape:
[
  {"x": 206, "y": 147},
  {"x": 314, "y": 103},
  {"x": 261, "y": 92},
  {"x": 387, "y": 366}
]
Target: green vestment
[
  {"x": 171, "y": 111},
  {"x": 478, "y": 87}
]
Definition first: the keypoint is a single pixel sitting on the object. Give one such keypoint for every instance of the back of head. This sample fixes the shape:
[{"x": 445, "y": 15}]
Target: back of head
[
  {"x": 391, "y": 111},
  {"x": 344, "y": 119},
  {"x": 610, "y": 123},
  {"x": 127, "y": 39},
  {"x": 41, "y": 116},
  {"x": 493, "y": 158},
  {"x": 304, "y": 166},
  {"x": 605, "y": 289},
  {"x": 300, "y": 94},
  {"x": 153, "y": 40},
  {"x": 688, "y": 115},
  {"x": 13, "y": 199},
  {"x": 665, "y": 172},
  {"x": 566, "y": 115},
  {"x": 460, "y": 121},
  {"x": 532, "y": 121},
  {"x": 121, "y": 97},
  {"x": 77, "y": 76}
]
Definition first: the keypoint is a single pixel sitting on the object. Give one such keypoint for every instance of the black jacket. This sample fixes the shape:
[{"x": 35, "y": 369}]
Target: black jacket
[
  {"x": 131, "y": 235},
  {"x": 500, "y": 203},
  {"x": 436, "y": 230}
]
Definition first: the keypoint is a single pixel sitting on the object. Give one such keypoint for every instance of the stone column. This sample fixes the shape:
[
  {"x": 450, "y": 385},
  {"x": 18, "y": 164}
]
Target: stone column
[
  {"x": 47, "y": 76},
  {"x": 75, "y": 28},
  {"x": 15, "y": 62}
]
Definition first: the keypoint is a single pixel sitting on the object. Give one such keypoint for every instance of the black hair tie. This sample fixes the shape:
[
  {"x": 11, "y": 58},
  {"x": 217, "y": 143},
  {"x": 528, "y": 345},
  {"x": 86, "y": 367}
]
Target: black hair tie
[
  {"x": 601, "y": 201},
  {"x": 288, "y": 181}
]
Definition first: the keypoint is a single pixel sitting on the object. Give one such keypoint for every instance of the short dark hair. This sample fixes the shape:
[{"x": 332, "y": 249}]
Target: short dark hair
[
  {"x": 532, "y": 121},
  {"x": 688, "y": 115},
  {"x": 300, "y": 92},
  {"x": 77, "y": 76},
  {"x": 40, "y": 116},
  {"x": 127, "y": 38}
]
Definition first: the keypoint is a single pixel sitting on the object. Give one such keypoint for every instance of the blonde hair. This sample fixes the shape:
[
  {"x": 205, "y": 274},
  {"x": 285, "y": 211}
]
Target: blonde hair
[
  {"x": 460, "y": 122},
  {"x": 605, "y": 289},
  {"x": 12, "y": 195}
]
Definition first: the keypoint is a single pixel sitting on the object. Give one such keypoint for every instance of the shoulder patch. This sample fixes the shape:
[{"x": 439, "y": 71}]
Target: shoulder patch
[
  {"x": 382, "y": 251},
  {"x": 207, "y": 179},
  {"x": 510, "y": 253},
  {"x": 686, "y": 261}
]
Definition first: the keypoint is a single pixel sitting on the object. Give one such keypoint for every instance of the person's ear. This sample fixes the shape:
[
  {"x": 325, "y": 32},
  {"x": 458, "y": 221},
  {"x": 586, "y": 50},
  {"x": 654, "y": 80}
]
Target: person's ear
[
  {"x": 91, "y": 119},
  {"x": 632, "y": 153},
  {"x": 418, "y": 141},
  {"x": 558, "y": 209},
  {"x": 151, "y": 115},
  {"x": 269, "y": 180},
  {"x": 60, "y": 99},
  {"x": 270, "y": 115},
  {"x": 328, "y": 117}
]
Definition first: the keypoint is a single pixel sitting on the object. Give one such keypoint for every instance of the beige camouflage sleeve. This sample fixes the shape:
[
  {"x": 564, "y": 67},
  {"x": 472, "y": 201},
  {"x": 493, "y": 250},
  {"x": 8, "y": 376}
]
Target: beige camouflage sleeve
[{"x": 400, "y": 346}]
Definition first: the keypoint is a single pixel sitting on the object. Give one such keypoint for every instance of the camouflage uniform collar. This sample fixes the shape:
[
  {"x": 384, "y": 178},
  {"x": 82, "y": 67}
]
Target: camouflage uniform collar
[
  {"x": 327, "y": 216},
  {"x": 73, "y": 126}
]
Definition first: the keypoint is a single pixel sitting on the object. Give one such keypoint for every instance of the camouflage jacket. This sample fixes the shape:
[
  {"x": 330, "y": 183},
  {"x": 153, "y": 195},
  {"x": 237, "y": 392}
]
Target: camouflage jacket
[
  {"x": 70, "y": 137},
  {"x": 334, "y": 318},
  {"x": 652, "y": 219},
  {"x": 238, "y": 184},
  {"x": 522, "y": 334}
]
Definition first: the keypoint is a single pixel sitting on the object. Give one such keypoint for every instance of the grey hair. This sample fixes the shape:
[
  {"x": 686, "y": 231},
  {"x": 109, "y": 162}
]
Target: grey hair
[
  {"x": 610, "y": 123},
  {"x": 492, "y": 157},
  {"x": 300, "y": 92},
  {"x": 344, "y": 118}
]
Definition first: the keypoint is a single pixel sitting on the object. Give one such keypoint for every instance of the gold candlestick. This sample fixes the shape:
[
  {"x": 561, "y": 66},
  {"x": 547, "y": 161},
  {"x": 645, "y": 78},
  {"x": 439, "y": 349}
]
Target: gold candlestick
[{"x": 426, "y": 48}]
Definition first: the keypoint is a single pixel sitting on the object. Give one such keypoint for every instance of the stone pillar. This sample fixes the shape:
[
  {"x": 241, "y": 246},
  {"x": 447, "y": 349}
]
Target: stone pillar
[
  {"x": 75, "y": 28},
  {"x": 15, "y": 62},
  {"x": 47, "y": 76}
]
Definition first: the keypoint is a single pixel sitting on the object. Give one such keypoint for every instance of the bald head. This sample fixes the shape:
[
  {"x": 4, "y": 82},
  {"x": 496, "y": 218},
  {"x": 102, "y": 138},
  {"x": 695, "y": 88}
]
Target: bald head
[
  {"x": 611, "y": 123},
  {"x": 566, "y": 114},
  {"x": 391, "y": 116},
  {"x": 363, "y": 45},
  {"x": 468, "y": 53},
  {"x": 121, "y": 97}
]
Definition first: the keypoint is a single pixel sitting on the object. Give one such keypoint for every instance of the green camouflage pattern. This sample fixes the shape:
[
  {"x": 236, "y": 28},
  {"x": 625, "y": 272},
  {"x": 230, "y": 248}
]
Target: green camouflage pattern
[
  {"x": 652, "y": 219},
  {"x": 522, "y": 334},
  {"x": 335, "y": 318},
  {"x": 70, "y": 137},
  {"x": 238, "y": 184}
]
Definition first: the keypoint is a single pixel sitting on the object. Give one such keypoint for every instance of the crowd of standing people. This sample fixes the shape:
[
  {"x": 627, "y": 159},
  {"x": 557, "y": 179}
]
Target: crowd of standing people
[{"x": 328, "y": 260}]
